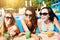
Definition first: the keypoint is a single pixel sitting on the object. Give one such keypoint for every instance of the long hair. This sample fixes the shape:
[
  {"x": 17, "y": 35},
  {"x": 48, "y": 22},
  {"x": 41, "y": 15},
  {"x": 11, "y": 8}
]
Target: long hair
[
  {"x": 33, "y": 19},
  {"x": 51, "y": 13},
  {"x": 3, "y": 25}
]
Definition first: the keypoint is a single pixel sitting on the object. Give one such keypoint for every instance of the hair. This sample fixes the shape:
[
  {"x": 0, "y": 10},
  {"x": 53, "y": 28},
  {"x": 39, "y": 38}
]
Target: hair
[
  {"x": 51, "y": 13},
  {"x": 33, "y": 19},
  {"x": 3, "y": 25}
]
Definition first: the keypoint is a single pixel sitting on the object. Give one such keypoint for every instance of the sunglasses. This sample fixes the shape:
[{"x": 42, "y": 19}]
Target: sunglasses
[
  {"x": 28, "y": 15},
  {"x": 43, "y": 13},
  {"x": 8, "y": 17}
]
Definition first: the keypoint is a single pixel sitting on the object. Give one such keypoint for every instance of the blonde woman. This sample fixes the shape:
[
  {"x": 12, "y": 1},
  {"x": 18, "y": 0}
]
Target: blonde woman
[{"x": 8, "y": 25}]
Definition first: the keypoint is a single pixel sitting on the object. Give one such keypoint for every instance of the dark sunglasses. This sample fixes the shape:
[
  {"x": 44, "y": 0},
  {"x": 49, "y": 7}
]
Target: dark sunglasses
[
  {"x": 28, "y": 15},
  {"x": 8, "y": 17},
  {"x": 43, "y": 13}
]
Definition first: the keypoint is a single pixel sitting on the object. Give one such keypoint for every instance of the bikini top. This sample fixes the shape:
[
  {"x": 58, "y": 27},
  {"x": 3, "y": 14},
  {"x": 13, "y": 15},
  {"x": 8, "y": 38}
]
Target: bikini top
[{"x": 43, "y": 28}]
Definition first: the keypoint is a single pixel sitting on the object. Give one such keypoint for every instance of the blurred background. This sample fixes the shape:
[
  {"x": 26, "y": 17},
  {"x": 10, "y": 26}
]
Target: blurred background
[{"x": 17, "y": 5}]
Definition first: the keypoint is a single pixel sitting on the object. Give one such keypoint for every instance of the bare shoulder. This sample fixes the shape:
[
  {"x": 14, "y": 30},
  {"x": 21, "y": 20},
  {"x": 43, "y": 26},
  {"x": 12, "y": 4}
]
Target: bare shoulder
[{"x": 22, "y": 19}]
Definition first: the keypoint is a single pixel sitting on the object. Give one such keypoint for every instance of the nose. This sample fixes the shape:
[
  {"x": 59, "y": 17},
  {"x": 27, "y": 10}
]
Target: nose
[
  {"x": 9, "y": 19},
  {"x": 28, "y": 16}
]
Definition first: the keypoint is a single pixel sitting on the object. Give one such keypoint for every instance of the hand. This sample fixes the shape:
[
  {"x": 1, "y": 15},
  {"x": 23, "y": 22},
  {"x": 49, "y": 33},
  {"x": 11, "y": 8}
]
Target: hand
[
  {"x": 21, "y": 34},
  {"x": 12, "y": 33}
]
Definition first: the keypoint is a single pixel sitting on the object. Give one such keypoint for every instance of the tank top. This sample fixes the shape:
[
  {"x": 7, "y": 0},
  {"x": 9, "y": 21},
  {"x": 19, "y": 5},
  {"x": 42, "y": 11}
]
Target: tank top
[{"x": 43, "y": 27}]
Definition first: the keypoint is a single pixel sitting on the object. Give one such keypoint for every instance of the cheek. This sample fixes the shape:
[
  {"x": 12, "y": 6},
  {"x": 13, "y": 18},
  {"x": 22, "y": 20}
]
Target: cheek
[
  {"x": 10, "y": 21},
  {"x": 46, "y": 17},
  {"x": 28, "y": 18},
  {"x": 5, "y": 21}
]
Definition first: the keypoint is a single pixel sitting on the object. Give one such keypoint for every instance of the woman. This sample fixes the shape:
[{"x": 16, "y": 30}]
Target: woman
[
  {"x": 48, "y": 20},
  {"x": 8, "y": 25},
  {"x": 29, "y": 23}
]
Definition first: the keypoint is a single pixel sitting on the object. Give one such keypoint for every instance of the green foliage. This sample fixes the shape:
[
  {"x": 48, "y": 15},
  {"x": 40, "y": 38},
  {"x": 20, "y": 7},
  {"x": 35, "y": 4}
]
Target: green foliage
[
  {"x": 12, "y": 4},
  {"x": 35, "y": 3},
  {"x": 38, "y": 2},
  {"x": 21, "y": 3},
  {"x": 48, "y": 2}
]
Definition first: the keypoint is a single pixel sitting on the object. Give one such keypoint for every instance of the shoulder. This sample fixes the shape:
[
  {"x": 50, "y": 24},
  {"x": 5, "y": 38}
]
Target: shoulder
[{"x": 23, "y": 19}]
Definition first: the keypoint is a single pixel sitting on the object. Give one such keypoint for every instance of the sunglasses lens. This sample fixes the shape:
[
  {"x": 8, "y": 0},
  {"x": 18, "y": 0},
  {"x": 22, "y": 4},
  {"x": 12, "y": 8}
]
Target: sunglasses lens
[
  {"x": 28, "y": 14},
  {"x": 43, "y": 13},
  {"x": 40, "y": 13},
  {"x": 8, "y": 17}
]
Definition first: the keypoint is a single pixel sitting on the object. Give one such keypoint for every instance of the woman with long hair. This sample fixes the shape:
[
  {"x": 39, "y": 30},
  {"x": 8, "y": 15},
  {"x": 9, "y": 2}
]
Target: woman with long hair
[
  {"x": 8, "y": 25},
  {"x": 48, "y": 20},
  {"x": 29, "y": 23}
]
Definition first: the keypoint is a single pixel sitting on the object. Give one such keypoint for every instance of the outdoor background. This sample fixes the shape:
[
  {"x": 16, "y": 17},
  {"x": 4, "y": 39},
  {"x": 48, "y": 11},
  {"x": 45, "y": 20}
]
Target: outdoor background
[{"x": 16, "y": 4}]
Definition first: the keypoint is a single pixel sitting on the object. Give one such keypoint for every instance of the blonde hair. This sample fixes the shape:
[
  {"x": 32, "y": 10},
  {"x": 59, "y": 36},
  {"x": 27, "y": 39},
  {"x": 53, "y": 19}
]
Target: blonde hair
[{"x": 3, "y": 26}]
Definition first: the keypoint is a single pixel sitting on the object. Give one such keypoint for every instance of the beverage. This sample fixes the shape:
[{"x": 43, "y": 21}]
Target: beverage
[
  {"x": 49, "y": 33},
  {"x": 6, "y": 36},
  {"x": 27, "y": 35}
]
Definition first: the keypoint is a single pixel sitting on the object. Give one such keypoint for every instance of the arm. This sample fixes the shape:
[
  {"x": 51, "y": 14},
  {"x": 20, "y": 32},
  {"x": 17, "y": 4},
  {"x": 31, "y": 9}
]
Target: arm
[
  {"x": 14, "y": 30},
  {"x": 21, "y": 34},
  {"x": 24, "y": 25},
  {"x": 35, "y": 36},
  {"x": 56, "y": 23},
  {"x": 17, "y": 29},
  {"x": 39, "y": 25}
]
